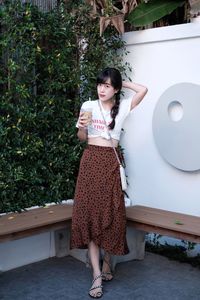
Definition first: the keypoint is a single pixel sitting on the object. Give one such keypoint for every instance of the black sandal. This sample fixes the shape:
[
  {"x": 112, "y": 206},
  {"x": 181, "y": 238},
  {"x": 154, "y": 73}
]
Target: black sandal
[
  {"x": 98, "y": 294},
  {"x": 107, "y": 276}
]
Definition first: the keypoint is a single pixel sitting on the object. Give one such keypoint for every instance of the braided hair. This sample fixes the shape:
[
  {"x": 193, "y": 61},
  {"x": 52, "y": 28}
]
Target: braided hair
[{"x": 116, "y": 81}]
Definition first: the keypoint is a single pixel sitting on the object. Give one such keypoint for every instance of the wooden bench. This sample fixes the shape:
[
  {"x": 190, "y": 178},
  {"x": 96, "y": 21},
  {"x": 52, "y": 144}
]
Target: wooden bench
[
  {"x": 19, "y": 225},
  {"x": 167, "y": 223}
]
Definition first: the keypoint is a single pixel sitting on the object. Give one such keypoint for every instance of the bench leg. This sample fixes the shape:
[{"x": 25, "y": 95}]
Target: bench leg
[
  {"x": 136, "y": 244},
  {"x": 62, "y": 242}
]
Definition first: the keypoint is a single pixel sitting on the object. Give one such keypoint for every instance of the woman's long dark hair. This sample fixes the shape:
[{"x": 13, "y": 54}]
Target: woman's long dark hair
[{"x": 116, "y": 82}]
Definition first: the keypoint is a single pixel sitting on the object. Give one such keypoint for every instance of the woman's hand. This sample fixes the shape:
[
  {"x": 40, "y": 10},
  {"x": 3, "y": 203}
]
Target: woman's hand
[{"x": 83, "y": 120}]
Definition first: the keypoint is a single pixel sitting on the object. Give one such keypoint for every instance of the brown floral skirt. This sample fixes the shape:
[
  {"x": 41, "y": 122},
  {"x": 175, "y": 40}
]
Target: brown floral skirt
[{"x": 99, "y": 210}]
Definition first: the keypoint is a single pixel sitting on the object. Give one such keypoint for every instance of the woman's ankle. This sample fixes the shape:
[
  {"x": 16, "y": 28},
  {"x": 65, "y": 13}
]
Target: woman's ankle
[{"x": 96, "y": 272}]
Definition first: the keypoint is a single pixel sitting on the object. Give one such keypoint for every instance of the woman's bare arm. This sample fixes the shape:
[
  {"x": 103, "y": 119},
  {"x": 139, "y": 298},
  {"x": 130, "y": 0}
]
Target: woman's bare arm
[
  {"x": 140, "y": 92},
  {"x": 82, "y": 134}
]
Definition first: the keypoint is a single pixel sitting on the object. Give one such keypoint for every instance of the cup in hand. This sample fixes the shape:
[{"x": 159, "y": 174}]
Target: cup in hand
[{"x": 85, "y": 118}]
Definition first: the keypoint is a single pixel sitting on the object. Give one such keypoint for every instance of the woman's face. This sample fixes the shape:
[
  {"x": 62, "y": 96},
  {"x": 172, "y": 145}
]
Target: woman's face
[{"x": 105, "y": 90}]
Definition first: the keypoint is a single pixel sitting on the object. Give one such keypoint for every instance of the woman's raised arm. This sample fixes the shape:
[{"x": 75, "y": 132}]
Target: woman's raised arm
[{"x": 140, "y": 92}]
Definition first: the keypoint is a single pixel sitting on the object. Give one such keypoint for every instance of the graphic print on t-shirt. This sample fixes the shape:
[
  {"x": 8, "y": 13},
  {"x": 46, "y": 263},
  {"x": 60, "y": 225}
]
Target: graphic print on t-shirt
[{"x": 99, "y": 124}]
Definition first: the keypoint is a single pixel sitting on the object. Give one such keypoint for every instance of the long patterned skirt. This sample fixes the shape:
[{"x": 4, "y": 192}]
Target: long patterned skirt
[{"x": 99, "y": 210}]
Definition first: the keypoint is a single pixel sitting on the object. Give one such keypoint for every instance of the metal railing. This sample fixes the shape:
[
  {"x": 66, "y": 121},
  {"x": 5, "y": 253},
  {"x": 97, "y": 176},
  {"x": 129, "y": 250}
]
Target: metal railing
[{"x": 43, "y": 5}]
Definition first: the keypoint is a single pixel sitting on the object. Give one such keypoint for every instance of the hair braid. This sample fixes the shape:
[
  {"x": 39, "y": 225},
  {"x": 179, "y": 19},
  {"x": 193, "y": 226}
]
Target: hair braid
[{"x": 115, "y": 110}]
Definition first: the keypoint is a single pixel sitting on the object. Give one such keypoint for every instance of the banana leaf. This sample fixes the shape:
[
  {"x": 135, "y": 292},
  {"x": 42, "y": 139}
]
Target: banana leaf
[{"x": 146, "y": 13}]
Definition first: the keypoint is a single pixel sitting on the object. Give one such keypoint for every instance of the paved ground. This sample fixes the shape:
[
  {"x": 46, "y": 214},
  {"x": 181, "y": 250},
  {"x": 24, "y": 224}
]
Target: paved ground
[{"x": 154, "y": 278}]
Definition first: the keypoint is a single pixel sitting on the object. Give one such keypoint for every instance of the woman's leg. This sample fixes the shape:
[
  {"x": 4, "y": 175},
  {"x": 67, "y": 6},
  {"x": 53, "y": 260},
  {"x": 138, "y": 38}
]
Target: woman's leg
[
  {"x": 94, "y": 258},
  {"x": 106, "y": 268}
]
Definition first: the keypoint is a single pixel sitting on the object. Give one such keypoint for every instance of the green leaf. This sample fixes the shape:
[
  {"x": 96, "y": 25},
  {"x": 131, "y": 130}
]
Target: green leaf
[
  {"x": 177, "y": 222},
  {"x": 146, "y": 13}
]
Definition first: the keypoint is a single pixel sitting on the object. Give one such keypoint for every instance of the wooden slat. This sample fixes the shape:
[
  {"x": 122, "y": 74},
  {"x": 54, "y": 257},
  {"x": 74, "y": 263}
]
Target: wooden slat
[
  {"x": 167, "y": 213},
  {"x": 28, "y": 232},
  {"x": 164, "y": 232},
  {"x": 35, "y": 218},
  {"x": 164, "y": 220}
]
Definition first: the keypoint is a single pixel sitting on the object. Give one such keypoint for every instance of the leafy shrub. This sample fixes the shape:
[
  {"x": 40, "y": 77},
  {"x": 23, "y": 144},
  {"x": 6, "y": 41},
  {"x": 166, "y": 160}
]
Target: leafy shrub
[{"x": 45, "y": 74}]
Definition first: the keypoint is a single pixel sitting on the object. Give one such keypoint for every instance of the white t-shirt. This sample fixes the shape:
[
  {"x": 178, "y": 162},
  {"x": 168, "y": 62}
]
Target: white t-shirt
[{"x": 98, "y": 128}]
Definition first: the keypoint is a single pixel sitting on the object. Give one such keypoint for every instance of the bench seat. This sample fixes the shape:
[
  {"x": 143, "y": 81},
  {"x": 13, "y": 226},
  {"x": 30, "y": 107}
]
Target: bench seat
[
  {"x": 167, "y": 223},
  {"x": 19, "y": 225}
]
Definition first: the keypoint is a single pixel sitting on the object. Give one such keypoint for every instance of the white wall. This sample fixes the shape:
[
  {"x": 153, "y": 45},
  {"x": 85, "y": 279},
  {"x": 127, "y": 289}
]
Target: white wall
[
  {"x": 160, "y": 58},
  {"x": 27, "y": 250}
]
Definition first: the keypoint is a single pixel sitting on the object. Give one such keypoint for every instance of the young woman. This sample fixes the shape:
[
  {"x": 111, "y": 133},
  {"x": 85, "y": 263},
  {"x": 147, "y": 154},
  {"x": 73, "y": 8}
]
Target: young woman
[{"x": 99, "y": 220}]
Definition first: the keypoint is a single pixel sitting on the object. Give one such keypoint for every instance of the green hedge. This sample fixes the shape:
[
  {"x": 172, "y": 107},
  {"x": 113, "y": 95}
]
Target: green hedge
[{"x": 45, "y": 74}]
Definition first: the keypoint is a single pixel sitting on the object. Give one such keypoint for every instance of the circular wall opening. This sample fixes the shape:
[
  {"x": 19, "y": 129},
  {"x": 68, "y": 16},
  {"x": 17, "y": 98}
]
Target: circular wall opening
[{"x": 175, "y": 111}]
